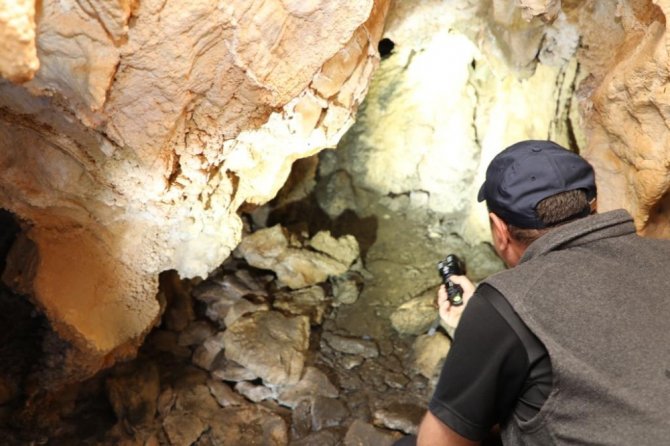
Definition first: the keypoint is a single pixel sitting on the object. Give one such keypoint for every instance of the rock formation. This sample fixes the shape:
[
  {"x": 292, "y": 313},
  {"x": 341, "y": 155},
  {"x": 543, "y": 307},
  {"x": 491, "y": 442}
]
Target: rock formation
[
  {"x": 132, "y": 133},
  {"x": 18, "y": 54},
  {"x": 626, "y": 109},
  {"x": 624, "y": 102},
  {"x": 146, "y": 127}
]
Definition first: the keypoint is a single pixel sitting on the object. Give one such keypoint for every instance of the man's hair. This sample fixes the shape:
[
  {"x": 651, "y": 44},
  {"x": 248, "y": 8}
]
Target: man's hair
[{"x": 553, "y": 211}]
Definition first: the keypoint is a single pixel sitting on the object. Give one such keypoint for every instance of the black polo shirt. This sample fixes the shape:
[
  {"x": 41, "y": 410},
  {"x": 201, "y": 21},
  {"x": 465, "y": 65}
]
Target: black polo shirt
[{"x": 495, "y": 367}]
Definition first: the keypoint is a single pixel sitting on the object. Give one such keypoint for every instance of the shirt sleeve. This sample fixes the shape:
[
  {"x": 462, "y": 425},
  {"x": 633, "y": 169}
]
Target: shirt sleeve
[{"x": 483, "y": 373}]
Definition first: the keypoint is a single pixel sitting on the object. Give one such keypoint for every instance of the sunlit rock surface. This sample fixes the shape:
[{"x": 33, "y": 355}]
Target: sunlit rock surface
[
  {"x": 146, "y": 127},
  {"x": 451, "y": 94}
]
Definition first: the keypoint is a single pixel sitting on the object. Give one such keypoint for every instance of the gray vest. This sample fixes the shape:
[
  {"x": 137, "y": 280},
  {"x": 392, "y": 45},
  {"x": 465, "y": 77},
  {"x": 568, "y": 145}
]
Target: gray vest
[{"x": 598, "y": 297}]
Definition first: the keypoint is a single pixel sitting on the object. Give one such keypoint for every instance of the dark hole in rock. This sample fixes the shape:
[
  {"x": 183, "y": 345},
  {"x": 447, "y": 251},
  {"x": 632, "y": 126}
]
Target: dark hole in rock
[
  {"x": 385, "y": 47},
  {"x": 21, "y": 329},
  {"x": 9, "y": 228}
]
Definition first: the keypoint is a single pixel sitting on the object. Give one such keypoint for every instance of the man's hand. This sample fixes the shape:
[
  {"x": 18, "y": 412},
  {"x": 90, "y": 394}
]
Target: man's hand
[{"x": 451, "y": 314}]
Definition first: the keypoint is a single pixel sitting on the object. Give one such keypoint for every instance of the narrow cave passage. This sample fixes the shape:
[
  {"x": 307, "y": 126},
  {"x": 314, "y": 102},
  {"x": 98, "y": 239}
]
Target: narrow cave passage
[{"x": 21, "y": 327}]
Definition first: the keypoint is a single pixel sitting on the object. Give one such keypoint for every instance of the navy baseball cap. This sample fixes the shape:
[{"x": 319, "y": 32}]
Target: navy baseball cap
[{"x": 526, "y": 173}]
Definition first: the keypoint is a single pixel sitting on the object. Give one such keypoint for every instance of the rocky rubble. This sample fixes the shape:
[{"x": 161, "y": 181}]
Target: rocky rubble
[{"x": 242, "y": 358}]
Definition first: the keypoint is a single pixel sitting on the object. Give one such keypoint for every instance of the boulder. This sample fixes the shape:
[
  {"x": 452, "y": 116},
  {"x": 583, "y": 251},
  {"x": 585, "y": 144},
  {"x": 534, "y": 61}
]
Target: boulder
[
  {"x": 415, "y": 316},
  {"x": 313, "y": 383},
  {"x": 310, "y": 302},
  {"x": 297, "y": 267},
  {"x": 361, "y": 433},
  {"x": 269, "y": 344},
  {"x": 352, "y": 346},
  {"x": 429, "y": 353}
]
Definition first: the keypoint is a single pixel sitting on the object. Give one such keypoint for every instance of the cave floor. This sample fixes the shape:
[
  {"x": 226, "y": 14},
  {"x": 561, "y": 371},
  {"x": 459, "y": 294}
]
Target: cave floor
[{"x": 167, "y": 395}]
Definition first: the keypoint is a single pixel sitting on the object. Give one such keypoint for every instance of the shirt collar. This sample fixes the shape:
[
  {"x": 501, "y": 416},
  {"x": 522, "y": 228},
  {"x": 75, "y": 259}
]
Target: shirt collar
[{"x": 587, "y": 229}]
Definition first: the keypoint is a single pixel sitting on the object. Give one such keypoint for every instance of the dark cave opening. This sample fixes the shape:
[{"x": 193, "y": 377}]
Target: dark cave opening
[
  {"x": 385, "y": 47},
  {"x": 22, "y": 327}
]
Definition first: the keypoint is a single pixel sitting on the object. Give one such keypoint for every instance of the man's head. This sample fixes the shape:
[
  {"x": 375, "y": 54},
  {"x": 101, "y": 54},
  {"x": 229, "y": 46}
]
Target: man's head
[{"x": 531, "y": 187}]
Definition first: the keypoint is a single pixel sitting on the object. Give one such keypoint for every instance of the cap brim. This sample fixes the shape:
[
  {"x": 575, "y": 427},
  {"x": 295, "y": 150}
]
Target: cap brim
[{"x": 481, "y": 196}]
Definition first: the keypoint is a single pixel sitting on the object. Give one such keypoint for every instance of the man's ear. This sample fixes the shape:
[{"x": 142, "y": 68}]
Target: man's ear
[{"x": 500, "y": 230}]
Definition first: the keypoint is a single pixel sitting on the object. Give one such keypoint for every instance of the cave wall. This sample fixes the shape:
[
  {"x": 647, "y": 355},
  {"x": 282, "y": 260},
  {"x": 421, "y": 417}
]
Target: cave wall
[
  {"x": 146, "y": 126},
  {"x": 472, "y": 79},
  {"x": 475, "y": 77},
  {"x": 132, "y": 132},
  {"x": 626, "y": 110}
]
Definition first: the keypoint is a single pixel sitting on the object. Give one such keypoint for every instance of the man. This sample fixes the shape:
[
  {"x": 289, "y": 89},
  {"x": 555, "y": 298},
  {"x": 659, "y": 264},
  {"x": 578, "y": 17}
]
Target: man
[{"x": 571, "y": 345}]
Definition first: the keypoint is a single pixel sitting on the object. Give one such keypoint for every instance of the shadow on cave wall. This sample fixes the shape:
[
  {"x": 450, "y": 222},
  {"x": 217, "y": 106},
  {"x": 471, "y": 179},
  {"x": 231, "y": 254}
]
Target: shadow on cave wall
[{"x": 307, "y": 216}]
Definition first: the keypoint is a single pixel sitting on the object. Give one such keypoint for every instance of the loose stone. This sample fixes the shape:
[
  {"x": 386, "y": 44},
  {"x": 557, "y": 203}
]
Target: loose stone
[{"x": 353, "y": 346}]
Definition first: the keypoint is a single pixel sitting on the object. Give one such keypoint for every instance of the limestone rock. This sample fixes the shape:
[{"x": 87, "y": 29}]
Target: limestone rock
[
  {"x": 207, "y": 352},
  {"x": 352, "y": 346},
  {"x": 18, "y": 55},
  {"x": 326, "y": 437},
  {"x": 224, "y": 395},
  {"x": 270, "y": 345},
  {"x": 313, "y": 383},
  {"x": 560, "y": 44},
  {"x": 227, "y": 370},
  {"x": 240, "y": 308},
  {"x": 189, "y": 377},
  {"x": 166, "y": 401},
  {"x": 196, "y": 333},
  {"x": 133, "y": 393},
  {"x": 400, "y": 416},
  {"x": 415, "y": 316},
  {"x": 547, "y": 10},
  {"x": 429, "y": 353},
  {"x": 270, "y": 248},
  {"x": 349, "y": 362},
  {"x": 629, "y": 156},
  {"x": 343, "y": 249},
  {"x": 327, "y": 412},
  {"x": 225, "y": 299},
  {"x": 253, "y": 392},
  {"x": 197, "y": 400},
  {"x": 337, "y": 194},
  {"x": 229, "y": 287},
  {"x": 345, "y": 289},
  {"x": 183, "y": 428},
  {"x": 452, "y": 133},
  {"x": 147, "y": 126},
  {"x": 310, "y": 302},
  {"x": 301, "y": 419},
  {"x": 246, "y": 425},
  {"x": 361, "y": 433}
]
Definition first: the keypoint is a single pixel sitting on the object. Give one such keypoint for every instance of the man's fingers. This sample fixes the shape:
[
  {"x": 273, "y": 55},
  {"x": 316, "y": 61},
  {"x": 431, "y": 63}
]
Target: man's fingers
[
  {"x": 465, "y": 283},
  {"x": 441, "y": 295}
]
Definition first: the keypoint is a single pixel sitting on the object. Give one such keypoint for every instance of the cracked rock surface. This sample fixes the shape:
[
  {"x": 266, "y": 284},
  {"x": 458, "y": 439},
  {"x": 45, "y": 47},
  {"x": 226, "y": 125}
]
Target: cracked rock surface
[{"x": 146, "y": 127}]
